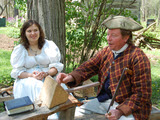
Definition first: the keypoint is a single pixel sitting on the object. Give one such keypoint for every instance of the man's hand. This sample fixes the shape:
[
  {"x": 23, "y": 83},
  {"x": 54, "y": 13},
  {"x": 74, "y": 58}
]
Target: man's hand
[
  {"x": 64, "y": 78},
  {"x": 114, "y": 114}
]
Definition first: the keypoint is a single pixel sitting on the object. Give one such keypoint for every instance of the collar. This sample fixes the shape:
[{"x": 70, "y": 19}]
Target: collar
[{"x": 120, "y": 51}]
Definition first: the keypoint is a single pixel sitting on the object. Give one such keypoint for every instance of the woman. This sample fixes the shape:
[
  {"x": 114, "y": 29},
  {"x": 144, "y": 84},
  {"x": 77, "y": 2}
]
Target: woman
[{"x": 32, "y": 60}]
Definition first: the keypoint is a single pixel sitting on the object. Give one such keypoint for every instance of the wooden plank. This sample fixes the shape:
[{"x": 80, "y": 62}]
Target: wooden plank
[
  {"x": 67, "y": 114},
  {"x": 5, "y": 98},
  {"x": 41, "y": 112},
  {"x": 83, "y": 87},
  {"x": 6, "y": 89}
]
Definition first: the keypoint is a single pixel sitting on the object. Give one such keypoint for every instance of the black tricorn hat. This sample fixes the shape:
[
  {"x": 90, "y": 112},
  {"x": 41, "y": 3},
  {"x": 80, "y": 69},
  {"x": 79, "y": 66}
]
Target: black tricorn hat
[{"x": 121, "y": 22}]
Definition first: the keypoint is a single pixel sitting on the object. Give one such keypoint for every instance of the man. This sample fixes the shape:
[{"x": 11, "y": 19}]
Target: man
[{"x": 134, "y": 95}]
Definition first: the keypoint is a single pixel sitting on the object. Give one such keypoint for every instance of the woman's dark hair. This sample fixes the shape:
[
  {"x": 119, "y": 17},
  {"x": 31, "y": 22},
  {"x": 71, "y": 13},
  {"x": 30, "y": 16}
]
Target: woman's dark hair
[
  {"x": 24, "y": 41},
  {"x": 127, "y": 32}
]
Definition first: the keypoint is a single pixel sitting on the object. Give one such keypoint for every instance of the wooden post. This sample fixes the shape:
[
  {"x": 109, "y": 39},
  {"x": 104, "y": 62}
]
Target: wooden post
[{"x": 67, "y": 114}]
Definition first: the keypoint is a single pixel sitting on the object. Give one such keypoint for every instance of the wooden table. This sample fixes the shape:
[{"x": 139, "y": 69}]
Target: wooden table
[{"x": 66, "y": 110}]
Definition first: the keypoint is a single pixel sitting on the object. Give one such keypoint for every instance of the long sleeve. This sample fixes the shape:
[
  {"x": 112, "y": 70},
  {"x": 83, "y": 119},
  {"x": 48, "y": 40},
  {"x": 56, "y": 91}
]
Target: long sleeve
[
  {"x": 54, "y": 55},
  {"x": 87, "y": 69},
  {"x": 17, "y": 61}
]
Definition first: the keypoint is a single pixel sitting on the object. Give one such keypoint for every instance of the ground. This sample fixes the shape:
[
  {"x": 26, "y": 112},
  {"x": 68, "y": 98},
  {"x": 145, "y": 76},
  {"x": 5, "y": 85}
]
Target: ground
[{"x": 6, "y": 43}]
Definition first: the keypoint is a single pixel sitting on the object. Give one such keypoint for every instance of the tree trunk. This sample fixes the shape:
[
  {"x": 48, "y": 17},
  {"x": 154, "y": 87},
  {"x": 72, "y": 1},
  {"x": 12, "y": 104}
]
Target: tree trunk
[
  {"x": 15, "y": 11},
  {"x": 51, "y": 16},
  {"x": 159, "y": 14},
  {"x": 143, "y": 10}
]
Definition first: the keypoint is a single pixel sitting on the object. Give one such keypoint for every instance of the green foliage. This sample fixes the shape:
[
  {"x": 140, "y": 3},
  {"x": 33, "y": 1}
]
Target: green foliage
[
  {"x": 1, "y": 107},
  {"x": 155, "y": 84},
  {"x": 10, "y": 31},
  {"x": 84, "y": 35},
  {"x": 151, "y": 36},
  {"x": 6, "y": 68},
  {"x": 14, "y": 33},
  {"x": 21, "y": 5},
  {"x": 11, "y": 22},
  {"x": 154, "y": 57},
  {"x": 156, "y": 91}
]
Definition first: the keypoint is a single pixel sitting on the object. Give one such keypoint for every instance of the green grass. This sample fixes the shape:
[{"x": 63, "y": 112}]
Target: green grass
[
  {"x": 10, "y": 31},
  {"x": 5, "y": 67},
  {"x": 155, "y": 74},
  {"x": 1, "y": 107}
]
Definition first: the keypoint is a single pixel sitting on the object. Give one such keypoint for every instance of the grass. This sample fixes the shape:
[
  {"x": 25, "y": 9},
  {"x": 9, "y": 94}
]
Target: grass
[
  {"x": 6, "y": 67},
  {"x": 10, "y": 31},
  {"x": 1, "y": 107},
  {"x": 155, "y": 74}
]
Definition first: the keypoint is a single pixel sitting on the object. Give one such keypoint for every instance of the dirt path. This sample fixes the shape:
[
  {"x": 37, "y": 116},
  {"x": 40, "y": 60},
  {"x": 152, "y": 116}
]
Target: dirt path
[{"x": 6, "y": 43}]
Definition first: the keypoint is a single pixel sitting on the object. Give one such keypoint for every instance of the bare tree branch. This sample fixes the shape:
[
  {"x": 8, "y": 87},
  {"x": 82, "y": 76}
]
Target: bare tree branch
[{"x": 2, "y": 9}]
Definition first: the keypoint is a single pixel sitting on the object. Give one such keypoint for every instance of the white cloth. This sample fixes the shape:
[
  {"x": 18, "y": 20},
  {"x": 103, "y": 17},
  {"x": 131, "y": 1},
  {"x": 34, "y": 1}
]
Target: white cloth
[
  {"x": 94, "y": 106},
  {"x": 121, "y": 50},
  {"x": 21, "y": 62}
]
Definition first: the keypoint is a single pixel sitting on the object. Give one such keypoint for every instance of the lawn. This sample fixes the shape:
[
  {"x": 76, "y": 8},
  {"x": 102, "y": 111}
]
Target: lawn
[
  {"x": 154, "y": 57},
  {"x": 5, "y": 67}
]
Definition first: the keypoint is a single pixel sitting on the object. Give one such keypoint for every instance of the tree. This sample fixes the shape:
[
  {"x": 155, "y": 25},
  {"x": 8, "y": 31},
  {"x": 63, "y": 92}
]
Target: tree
[
  {"x": 83, "y": 26},
  {"x": 150, "y": 9},
  {"x": 143, "y": 10},
  {"x": 158, "y": 13},
  {"x": 51, "y": 16},
  {"x": 3, "y": 6},
  {"x": 15, "y": 10}
]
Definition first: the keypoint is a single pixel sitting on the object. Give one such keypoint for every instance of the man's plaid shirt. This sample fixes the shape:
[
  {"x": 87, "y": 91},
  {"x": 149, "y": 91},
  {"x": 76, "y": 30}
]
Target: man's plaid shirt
[{"x": 134, "y": 95}]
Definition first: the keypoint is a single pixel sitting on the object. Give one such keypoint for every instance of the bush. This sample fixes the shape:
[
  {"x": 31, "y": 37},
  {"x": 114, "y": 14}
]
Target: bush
[{"x": 14, "y": 33}]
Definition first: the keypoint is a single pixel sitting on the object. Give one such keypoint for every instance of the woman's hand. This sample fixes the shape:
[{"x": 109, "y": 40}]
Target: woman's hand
[
  {"x": 38, "y": 75},
  {"x": 64, "y": 78},
  {"x": 114, "y": 114}
]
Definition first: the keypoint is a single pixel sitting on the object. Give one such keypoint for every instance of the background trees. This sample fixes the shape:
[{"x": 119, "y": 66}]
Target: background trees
[
  {"x": 83, "y": 34},
  {"x": 51, "y": 16},
  {"x": 150, "y": 9}
]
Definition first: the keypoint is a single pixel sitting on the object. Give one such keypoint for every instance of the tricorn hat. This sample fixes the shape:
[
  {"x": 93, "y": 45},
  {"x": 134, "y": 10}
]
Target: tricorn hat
[{"x": 121, "y": 22}]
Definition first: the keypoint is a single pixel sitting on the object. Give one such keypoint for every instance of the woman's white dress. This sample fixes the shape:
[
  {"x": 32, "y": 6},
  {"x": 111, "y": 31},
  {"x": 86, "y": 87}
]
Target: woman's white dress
[{"x": 22, "y": 62}]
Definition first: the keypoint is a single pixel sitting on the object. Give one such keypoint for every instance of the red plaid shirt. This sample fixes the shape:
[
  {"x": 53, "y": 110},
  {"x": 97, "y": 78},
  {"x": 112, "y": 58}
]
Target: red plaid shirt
[{"x": 134, "y": 95}]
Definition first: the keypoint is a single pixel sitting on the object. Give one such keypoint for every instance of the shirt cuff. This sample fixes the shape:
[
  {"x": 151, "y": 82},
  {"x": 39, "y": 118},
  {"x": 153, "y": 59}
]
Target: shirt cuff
[
  {"x": 77, "y": 79},
  {"x": 125, "y": 109}
]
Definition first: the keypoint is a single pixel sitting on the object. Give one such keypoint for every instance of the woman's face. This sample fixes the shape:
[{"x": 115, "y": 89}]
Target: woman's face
[{"x": 32, "y": 34}]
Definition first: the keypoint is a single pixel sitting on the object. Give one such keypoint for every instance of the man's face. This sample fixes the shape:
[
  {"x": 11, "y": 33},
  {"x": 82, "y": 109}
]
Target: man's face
[{"x": 115, "y": 40}]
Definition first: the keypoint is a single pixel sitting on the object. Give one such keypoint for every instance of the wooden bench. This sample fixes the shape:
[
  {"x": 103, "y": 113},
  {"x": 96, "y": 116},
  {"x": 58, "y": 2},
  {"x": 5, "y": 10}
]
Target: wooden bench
[
  {"x": 66, "y": 110},
  {"x": 6, "y": 96},
  {"x": 41, "y": 113}
]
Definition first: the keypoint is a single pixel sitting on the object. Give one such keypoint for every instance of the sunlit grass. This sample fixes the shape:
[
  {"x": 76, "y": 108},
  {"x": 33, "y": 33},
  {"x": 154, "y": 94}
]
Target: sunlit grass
[
  {"x": 10, "y": 31},
  {"x": 5, "y": 67},
  {"x": 155, "y": 74}
]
